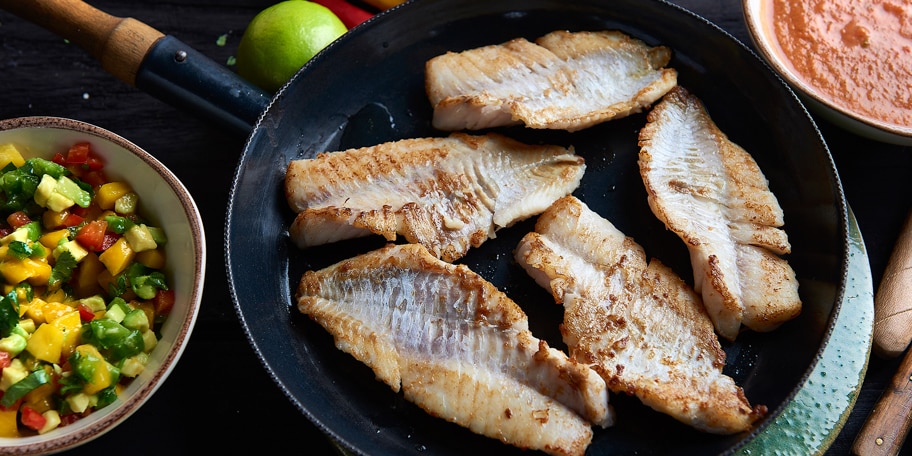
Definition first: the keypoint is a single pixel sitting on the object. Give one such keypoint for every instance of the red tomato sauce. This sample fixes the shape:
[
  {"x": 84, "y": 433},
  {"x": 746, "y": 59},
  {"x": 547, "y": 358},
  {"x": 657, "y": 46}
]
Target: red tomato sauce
[{"x": 856, "y": 53}]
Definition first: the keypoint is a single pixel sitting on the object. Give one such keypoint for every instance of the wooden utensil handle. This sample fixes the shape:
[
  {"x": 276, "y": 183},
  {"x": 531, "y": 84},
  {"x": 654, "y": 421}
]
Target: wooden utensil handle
[
  {"x": 886, "y": 428},
  {"x": 893, "y": 302},
  {"x": 119, "y": 44}
]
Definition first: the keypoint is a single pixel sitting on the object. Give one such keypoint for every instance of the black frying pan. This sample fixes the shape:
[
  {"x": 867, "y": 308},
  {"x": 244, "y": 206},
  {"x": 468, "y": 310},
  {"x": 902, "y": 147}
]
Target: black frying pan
[{"x": 368, "y": 87}]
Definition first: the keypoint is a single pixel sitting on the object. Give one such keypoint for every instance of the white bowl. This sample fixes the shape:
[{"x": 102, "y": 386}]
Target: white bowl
[
  {"x": 758, "y": 17},
  {"x": 166, "y": 203}
]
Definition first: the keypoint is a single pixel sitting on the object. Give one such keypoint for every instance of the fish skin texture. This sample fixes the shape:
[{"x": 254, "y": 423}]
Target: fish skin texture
[
  {"x": 564, "y": 80},
  {"x": 713, "y": 195},
  {"x": 457, "y": 347},
  {"x": 639, "y": 325},
  {"x": 448, "y": 194}
]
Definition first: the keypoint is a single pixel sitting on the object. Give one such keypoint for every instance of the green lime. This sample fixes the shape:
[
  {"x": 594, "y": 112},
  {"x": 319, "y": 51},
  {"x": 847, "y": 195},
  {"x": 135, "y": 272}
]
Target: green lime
[{"x": 282, "y": 38}]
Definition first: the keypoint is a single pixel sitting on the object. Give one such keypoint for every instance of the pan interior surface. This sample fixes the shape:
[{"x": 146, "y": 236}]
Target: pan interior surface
[{"x": 368, "y": 88}]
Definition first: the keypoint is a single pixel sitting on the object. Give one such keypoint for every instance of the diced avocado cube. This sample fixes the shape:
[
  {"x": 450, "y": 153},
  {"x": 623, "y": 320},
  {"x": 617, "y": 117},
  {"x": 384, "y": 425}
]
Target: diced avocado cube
[
  {"x": 58, "y": 202},
  {"x": 158, "y": 235},
  {"x": 117, "y": 311},
  {"x": 134, "y": 365},
  {"x": 71, "y": 190},
  {"x": 29, "y": 232},
  {"x": 12, "y": 374},
  {"x": 94, "y": 303},
  {"x": 45, "y": 189},
  {"x": 78, "y": 251},
  {"x": 150, "y": 340},
  {"x": 13, "y": 344},
  {"x": 136, "y": 319},
  {"x": 140, "y": 238},
  {"x": 79, "y": 402}
]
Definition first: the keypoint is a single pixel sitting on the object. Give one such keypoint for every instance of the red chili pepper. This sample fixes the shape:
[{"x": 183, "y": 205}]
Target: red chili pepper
[{"x": 350, "y": 15}]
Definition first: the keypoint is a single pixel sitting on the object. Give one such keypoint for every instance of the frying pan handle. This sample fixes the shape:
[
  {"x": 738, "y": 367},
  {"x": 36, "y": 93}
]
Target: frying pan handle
[
  {"x": 893, "y": 302},
  {"x": 886, "y": 428},
  {"x": 150, "y": 61}
]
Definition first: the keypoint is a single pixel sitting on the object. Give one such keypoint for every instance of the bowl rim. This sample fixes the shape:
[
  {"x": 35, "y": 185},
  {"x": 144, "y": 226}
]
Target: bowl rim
[
  {"x": 109, "y": 417},
  {"x": 754, "y": 12}
]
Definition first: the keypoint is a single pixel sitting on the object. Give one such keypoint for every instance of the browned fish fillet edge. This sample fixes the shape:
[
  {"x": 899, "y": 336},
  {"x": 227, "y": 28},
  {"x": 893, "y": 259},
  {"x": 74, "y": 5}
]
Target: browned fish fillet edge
[
  {"x": 555, "y": 54},
  {"x": 458, "y": 203},
  {"x": 718, "y": 406},
  {"x": 562, "y": 412},
  {"x": 769, "y": 296}
]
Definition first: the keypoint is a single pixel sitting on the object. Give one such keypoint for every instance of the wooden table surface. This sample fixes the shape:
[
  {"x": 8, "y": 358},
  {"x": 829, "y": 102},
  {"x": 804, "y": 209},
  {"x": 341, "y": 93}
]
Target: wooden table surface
[{"x": 219, "y": 395}]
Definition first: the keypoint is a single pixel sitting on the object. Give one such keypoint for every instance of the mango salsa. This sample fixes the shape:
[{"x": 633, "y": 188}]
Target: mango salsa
[{"x": 81, "y": 271}]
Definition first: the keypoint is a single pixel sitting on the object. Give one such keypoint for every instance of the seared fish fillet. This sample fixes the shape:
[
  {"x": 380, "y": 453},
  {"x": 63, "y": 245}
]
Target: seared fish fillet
[
  {"x": 457, "y": 347},
  {"x": 568, "y": 81},
  {"x": 711, "y": 192},
  {"x": 447, "y": 194},
  {"x": 641, "y": 327}
]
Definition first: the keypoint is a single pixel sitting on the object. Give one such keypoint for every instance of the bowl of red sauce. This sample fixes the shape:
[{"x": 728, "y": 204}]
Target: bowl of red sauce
[
  {"x": 102, "y": 265},
  {"x": 849, "y": 61}
]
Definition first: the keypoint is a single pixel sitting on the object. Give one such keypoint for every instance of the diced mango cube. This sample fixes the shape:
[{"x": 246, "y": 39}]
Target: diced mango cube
[
  {"x": 86, "y": 276},
  {"x": 46, "y": 343},
  {"x": 37, "y": 272},
  {"x": 108, "y": 193},
  {"x": 70, "y": 324},
  {"x": 117, "y": 257},
  {"x": 52, "y": 310},
  {"x": 8, "y": 424},
  {"x": 52, "y": 238},
  {"x": 102, "y": 373},
  {"x": 9, "y": 153},
  {"x": 154, "y": 258}
]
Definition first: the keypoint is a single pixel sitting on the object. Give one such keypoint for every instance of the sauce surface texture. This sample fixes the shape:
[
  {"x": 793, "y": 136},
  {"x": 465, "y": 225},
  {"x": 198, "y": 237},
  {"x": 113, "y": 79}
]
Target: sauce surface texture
[{"x": 856, "y": 53}]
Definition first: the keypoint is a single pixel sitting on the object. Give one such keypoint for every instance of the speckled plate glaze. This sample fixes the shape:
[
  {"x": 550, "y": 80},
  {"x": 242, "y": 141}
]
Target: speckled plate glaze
[{"x": 810, "y": 422}]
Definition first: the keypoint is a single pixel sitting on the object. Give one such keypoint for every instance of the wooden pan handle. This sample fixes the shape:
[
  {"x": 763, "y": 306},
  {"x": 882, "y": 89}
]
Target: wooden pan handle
[
  {"x": 893, "y": 302},
  {"x": 886, "y": 428},
  {"x": 119, "y": 44}
]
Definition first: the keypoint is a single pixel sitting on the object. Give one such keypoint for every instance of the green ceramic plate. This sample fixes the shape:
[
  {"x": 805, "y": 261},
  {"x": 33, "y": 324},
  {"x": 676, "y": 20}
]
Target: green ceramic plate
[{"x": 813, "y": 419}]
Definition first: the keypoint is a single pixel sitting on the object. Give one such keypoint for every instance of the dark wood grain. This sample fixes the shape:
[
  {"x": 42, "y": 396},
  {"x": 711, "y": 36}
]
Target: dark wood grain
[{"x": 219, "y": 396}]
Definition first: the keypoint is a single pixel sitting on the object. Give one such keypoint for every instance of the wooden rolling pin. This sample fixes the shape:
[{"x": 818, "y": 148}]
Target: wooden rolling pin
[
  {"x": 893, "y": 301},
  {"x": 886, "y": 428}
]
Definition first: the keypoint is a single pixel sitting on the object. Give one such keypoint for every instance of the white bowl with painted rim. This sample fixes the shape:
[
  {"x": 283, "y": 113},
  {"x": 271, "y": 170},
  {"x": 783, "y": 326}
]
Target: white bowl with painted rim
[
  {"x": 758, "y": 19},
  {"x": 165, "y": 202}
]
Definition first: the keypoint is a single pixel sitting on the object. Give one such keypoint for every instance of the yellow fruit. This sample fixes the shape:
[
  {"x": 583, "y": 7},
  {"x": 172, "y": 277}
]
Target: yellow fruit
[{"x": 282, "y": 38}]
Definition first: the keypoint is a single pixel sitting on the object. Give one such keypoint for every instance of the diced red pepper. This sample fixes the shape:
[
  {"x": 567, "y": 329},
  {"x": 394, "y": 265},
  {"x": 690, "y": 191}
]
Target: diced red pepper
[
  {"x": 59, "y": 159},
  {"x": 92, "y": 235},
  {"x": 72, "y": 219},
  {"x": 94, "y": 177},
  {"x": 17, "y": 219},
  {"x": 163, "y": 302},
  {"x": 350, "y": 14},
  {"x": 31, "y": 418},
  {"x": 78, "y": 154},
  {"x": 85, "y": 313},
  {"x": 5, "y": 359}
]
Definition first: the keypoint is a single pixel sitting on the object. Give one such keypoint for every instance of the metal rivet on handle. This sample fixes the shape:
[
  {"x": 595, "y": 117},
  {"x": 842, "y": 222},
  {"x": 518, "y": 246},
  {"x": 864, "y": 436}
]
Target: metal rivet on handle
[{"x": 180, "y": 56}]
